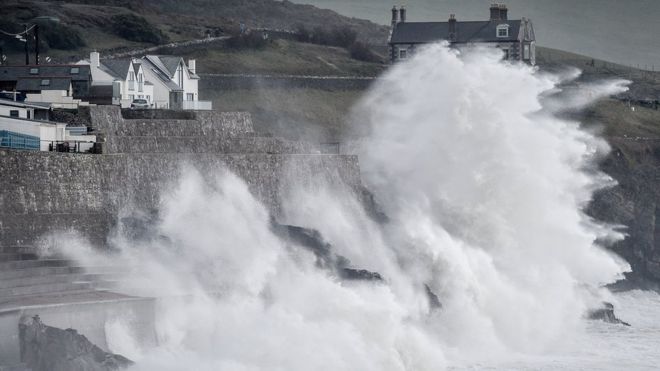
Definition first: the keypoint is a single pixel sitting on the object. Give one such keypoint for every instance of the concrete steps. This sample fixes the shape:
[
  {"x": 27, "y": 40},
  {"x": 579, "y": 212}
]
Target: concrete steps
[
  {"x": 53, "y": 278},
  {"x": 6, "y": 257},
  {"x": 17, "y": 367},
  {"x": 37, "y": 272},
  {"x": 45, "y": 288},
  {"x": 21, "y": 264}
]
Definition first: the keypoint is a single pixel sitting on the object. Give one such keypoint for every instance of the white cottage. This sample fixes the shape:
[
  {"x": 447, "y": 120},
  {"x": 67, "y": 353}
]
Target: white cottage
[
  {"x": 126, "y": 77},
  {"x": 175, "y": 83}
]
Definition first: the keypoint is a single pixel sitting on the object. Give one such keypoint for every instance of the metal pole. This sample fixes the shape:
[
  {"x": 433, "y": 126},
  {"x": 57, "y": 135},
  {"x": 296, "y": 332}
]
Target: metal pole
[
  {"x": 27, "y": 43},
  {"x": 36, "y": 43}
]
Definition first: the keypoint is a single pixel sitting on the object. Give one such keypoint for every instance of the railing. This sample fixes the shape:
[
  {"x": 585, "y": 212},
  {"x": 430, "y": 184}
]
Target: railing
[
  {"x": 197, "y": 105},
  {"x": 73, "y": 146}
]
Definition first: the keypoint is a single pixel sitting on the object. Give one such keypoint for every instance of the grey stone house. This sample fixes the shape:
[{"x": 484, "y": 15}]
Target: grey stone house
[{"x": 515, "y": 37}]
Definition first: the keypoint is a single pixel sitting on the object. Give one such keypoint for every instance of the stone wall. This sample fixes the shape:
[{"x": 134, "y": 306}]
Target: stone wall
[
  {"x": 45, "y": 192},
  {"x": 220, "y": 82}
]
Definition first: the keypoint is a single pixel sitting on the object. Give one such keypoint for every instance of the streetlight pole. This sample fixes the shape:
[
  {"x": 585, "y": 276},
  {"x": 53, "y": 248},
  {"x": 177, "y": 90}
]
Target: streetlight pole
[
  {"x": 36, "y": 44},
  {"x": 27, "y": 51}
]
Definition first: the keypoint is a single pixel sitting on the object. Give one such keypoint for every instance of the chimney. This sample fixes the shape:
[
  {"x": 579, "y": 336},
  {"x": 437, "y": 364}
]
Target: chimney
[
  {"x": 191, "y": 65},
  {"x": 402, "y": 12},
  {"x": 95, "y": 59},
  {"x": 504, "y": 12},
  {"x": 395, "y": 16},
  {"x": 452, "y": 27},
  {"x": 495, "y": 13}
]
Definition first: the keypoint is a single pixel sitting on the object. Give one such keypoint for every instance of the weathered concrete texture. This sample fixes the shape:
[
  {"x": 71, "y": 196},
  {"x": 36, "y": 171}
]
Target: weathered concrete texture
[
  {"x": 45, "y": 192},
  {"x": 46, "y": 348}
]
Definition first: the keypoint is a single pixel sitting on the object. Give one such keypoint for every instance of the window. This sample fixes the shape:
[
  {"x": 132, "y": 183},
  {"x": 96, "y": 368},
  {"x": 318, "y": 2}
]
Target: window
[
  {"x": 526, "y": 52},
  {"x": 190, "y": 96},
  {"x": 13, "y": 113},
  {"x": 45, "y": 82},
  {"x": 75, "y": 70},
  {"x": 506, "y": 54},
  {"x": 403, "y": 54},
  {"x": 131, "y": 97},
  {"x": 34, "y": 71},
  {"x": 131, "y": 76},
  {"x": 503, "y": 30},
  {"x": 28, "y": 114}
]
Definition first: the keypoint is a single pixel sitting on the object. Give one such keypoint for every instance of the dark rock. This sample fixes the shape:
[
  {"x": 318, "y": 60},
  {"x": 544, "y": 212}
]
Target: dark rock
[
  {"x": 313, "y": 240},
  {"x": 606, "y": 314},
  {"x": 45, "y": 348},
  {"x": 360, "y": 274},
  {"x": 434, "y": 301}
]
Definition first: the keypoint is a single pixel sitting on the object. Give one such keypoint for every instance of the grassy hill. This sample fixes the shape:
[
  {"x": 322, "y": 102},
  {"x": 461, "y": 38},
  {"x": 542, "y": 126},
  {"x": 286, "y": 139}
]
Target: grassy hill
[{"x": 103, "y": 25}]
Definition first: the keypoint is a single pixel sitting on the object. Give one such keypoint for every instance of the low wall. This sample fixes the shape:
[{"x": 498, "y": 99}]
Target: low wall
[{"x": 219, "y": 82}]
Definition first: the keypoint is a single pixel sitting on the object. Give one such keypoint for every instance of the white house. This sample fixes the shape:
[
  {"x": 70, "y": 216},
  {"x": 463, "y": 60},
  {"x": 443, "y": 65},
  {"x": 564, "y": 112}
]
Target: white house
[
  {"x": 24, "y": 110},
  {"x": 19, "y": 129},
  {"x": 124, "y": 75},
  {"x": 175, "y": 83}
]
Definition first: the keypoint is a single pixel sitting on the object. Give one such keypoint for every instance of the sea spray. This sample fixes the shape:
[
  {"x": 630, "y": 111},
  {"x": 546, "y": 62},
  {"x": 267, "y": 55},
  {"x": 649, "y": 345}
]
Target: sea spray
[{"x": 483, "y": 187}]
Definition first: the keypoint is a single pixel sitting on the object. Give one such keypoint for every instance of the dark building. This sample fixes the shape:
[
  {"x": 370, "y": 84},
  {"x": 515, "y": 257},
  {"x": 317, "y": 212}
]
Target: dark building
[
  {"x": 30, "y": 78},
  {"x": 515, "y": 37}
]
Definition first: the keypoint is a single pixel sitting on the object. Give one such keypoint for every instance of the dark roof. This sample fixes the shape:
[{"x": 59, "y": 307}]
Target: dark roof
[
  {"x": 35, "y": 83},
  {"x": 13, "y": 73},
  {"x": 37, "y": 105},
  {"x": 171, "y": 63},
  {"x": 471, "y": 31},
  {"x": 154, "y": 64},
  {"x": 117, "y": 67}
]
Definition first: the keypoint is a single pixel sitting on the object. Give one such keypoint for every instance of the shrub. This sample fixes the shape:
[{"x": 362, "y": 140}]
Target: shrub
[
  {"x": 60, "y": 36},
  {"x": 361, "y": 52},
  {"x": 135, "y": 28}
]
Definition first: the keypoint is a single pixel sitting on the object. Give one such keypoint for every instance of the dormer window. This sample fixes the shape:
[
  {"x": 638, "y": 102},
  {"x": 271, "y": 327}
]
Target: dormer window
[{"x": 503, "y": 30}]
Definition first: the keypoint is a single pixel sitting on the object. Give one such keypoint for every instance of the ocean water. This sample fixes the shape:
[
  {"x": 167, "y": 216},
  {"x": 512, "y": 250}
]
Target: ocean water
[
  {"x": 483, "y": 183},
  {"x": 621, "y": 31}
]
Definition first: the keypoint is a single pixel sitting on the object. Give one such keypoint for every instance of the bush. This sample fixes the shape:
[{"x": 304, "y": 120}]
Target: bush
[
  {"x": 135, "y": 28},
  {"x": 59, "y": 36},
  {"x": 361, "y": 52}
]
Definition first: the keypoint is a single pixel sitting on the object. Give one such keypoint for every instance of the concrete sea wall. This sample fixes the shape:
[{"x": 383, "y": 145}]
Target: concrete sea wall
[{"x": 45, "y": 192}]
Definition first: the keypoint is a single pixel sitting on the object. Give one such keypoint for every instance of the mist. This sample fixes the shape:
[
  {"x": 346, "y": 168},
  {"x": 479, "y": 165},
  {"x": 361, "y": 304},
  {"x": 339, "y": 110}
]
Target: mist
[{"x": 483, "y": 185}]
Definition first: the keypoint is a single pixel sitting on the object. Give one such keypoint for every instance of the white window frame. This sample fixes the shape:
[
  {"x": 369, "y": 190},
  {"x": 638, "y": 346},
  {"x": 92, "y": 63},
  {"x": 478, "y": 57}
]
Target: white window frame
[{"x": 502, "y": 27}]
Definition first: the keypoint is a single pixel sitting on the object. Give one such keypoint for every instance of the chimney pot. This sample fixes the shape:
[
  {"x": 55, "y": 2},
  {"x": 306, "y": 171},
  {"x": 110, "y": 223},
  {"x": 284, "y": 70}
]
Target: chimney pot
[
  {"x": 402, "y": 12},
  {"x": 395, "y": 16}
]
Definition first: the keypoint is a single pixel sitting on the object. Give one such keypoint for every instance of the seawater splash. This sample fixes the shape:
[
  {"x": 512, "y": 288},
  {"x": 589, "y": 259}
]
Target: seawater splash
[{"x": 483, "y": 186}]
